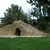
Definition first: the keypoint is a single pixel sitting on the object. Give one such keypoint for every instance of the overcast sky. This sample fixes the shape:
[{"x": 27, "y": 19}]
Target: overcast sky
[{"x": 4, "y": 4}]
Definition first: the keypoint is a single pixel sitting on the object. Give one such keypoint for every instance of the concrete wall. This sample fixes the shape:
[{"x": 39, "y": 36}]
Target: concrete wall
[
  {"x": 6, "y": 30},
  {"x": 25, "y": 29}
]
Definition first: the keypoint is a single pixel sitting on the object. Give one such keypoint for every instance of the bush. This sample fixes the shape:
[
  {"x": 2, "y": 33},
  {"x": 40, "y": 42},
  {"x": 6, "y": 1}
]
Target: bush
[
  {"x": 42, "y": 25},
  {"x": 48, "y": 24}
]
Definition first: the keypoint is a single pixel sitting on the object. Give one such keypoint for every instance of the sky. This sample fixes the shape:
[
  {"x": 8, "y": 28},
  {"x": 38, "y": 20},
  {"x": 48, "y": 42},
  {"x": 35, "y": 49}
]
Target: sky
[{"x": 4, "y": 4}]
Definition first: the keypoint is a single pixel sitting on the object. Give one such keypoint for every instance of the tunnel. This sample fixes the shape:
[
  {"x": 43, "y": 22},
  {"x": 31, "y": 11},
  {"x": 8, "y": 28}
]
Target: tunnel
[{"x": 17, "y": 32}]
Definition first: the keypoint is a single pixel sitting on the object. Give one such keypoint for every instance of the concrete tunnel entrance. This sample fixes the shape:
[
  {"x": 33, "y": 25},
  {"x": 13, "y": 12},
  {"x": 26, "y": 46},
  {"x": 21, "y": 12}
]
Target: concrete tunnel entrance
[{"x": 17, "y": 32}]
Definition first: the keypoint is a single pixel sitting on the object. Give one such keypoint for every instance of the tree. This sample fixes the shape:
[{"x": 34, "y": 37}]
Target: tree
[
  {"x": 13, "y": 14},
  {"x": 38, "y": 6},
  {"x": 41, "y": 10}
]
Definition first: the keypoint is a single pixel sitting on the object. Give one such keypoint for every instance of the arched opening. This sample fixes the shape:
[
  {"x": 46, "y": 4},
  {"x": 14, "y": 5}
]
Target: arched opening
[
  {"x": 17, "y": 32},
  {"x": 34, "y": 23}
]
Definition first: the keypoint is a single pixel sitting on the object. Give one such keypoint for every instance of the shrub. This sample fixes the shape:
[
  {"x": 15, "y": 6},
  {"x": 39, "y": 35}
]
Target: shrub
[{"x": 42, "y": 25}]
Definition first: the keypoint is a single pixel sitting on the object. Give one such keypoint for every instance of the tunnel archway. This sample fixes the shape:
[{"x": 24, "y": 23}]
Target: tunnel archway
[
  {"x": 34, "y": 23},
  {"x": 17, "y": 32}
]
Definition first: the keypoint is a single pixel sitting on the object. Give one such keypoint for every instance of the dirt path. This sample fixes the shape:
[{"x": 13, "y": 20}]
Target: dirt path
[{"x": 18, "y": 36}]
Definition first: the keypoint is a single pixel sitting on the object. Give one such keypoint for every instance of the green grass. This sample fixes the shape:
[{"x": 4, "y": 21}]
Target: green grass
[{"x": 25, "y": 43}]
